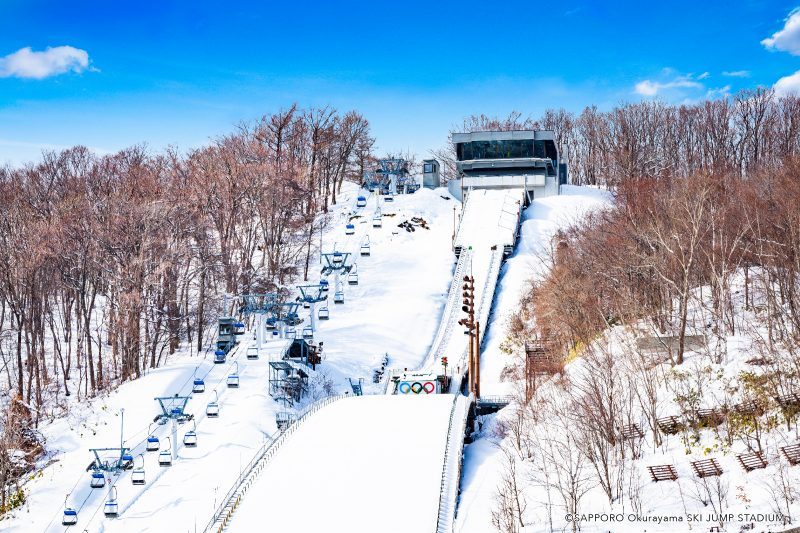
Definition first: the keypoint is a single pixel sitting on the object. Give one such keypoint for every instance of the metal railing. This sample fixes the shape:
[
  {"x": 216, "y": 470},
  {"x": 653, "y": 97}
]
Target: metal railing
[
  {"x": 453, "y": 455},
  {"x": 230, "y": 502}
]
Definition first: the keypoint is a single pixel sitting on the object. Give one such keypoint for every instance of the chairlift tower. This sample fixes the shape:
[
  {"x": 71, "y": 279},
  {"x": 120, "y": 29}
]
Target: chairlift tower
[
  {"x": 259, "y": 305},
  {"x": 336, "y": 263},
  {"x": 312, "y": 294},
  {"x": 388, "y": 176},
  {"x": 173, "y": 408}
]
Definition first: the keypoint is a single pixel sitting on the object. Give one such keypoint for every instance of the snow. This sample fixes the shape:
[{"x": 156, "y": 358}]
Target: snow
[{"x": 360, "y": 464}]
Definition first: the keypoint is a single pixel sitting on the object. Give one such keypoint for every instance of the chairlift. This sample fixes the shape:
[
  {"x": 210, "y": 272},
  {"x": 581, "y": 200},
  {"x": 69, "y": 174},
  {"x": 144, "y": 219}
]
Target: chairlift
[
  {"x": 70, "y": 517},
  {"x": 198, "y": 385},
  {"x": 219, "y": 357},
  {"x": 252, "y": 353},
  {"x": 377, "y": 221},
  {"x": 152, "y": 441},
  {"x": 190, "y": 437},
  {"x": 238, "y": 329},
  {"x": 338, "y": 258},
  {"x": 233, "y": 377},
  {"x": 350, "y": 229},
  {"x": 98, "y": 480},
  {"x": 388, "y": 197},
  {"x": 323, "y": 313},
  {"x": 352, "y": 278},
  {"x": 324, "y": 285},
  {"x": 271, "y": 323},
  {"x": 212, "y": 409},
  {"x": 306, "y": 304},
  {"x": 308, "y": 333},
  {"x": 338, "y": 296},
  {"x": 361, "y": 201},
  {"x": 165, "y": 455},
  {"x": 290, "y": 333},
  {"x": 111, "y": 507},
  {"x": 365, "y": 246},
  {"x": 127, "y": 461},
  {"x": 137, "y": 476}
]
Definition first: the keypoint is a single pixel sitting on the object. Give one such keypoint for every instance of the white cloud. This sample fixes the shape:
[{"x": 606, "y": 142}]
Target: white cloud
[
  {"x": 719, "y": 92},
  {"x": 788, "y": 85},
  {"x": 736, "y": 73},
  {"x": 652, "y": 88},
  {"x": 788, "y": 38},
  {"x": 26, "y": 63},
  {"x": 703, "y": 76}
]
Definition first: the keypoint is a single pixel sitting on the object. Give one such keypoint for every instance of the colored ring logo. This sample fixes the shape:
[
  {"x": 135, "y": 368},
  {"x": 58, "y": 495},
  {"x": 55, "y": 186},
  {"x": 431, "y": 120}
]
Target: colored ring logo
[
  {"x": 406, "y": 389},
  {"x": 416, "y": 387},
  {"x": 429, "y": 387}
]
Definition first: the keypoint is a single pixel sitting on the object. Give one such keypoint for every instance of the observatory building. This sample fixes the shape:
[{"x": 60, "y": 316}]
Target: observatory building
[{"x": 526, "y": 160}]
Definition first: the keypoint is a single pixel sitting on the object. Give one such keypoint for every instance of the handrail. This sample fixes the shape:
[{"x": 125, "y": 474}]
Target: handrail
[
  {"x": 448, "y": 492},
  {"x": 248, "y": 476}
]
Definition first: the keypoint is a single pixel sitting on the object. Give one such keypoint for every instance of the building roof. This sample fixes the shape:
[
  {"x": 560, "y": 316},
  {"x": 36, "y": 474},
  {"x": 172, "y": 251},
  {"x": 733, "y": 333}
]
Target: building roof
[{"x": 543, "y": 135}]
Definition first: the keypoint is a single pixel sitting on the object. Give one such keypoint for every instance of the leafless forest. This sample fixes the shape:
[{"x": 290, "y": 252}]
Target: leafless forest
[{"x": 108, "y": 263}]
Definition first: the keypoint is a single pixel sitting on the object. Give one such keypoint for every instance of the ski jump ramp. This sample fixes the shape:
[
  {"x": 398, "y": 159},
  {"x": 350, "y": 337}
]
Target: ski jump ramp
[
  {"x": 389, "y": 462},
  {"x": 361, "y": 464}
]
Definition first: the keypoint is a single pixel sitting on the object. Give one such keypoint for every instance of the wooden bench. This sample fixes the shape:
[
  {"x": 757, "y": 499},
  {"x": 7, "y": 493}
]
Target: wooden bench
[
  {"x": 663, "y": 473},
  {"x": 632, "y": 431},
  {"x": 752, "y": 461},
  {"x": 748, "y": 408},
  {"x": 709, "y": 417},
  {"x": 706, "y": 468},
  {"x": 792, "y": 453},
  {"x": 669, "y": 425}
]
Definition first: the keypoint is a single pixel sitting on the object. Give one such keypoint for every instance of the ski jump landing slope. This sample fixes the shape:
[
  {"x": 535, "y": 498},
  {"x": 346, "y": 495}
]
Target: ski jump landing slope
[{"x": 361, "y": 464}]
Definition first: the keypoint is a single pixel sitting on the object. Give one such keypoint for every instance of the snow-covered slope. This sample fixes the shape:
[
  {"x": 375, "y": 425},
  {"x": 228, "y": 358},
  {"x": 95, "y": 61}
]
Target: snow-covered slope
[
  {"x": 362, "y": 464},
  {"x": 540, "y": 221}
]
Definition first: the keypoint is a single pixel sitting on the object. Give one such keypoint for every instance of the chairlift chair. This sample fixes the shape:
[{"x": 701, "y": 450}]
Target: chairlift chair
[
  {"x": 361, "y": 201},
  {"x": 290, "y": 333},
  {"x": 338, "y": 297},
  {"x": 219, "y": 357},
  {"x": 127, "y": 461},
  {"x": 323, "y": 313},
  {"x": 165, "y": 455},
  {"x": 233, "y": 378},
  {"x": 137, "y": 476},
  {"x": 190, "y": 437},
  {"x": 270, "y": 323},
  {"x": 350, "y": 229},
  {"x": 70, "y": 517},
  {"x": 365, "y": 250},
  {"x": 324, "y": 285},
  {"x": 212, "y": 409},
  {"x": 388, "y": 197},
  {"x": 198, "y": 385},
  {"x": 152, "y": 441},
  {"x": 111, "y": 507},
  {"x": 308, "y": 333},
  {"x": 338, "y": 258},
  {"x": 377, "y": 221},
  {"x": 306, "y": 304},
  {"x": 238, "y": 329},
  {"x": 352, "y": 278},
  {"x": 98, "y": 480},
  {"x": 252, "y": 353}
]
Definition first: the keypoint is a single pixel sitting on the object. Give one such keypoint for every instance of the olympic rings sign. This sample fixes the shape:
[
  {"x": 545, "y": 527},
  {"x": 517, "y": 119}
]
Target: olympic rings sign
[{"x": 416, "y": 387}]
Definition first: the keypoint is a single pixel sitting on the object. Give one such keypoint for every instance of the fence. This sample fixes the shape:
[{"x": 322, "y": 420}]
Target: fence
[{"x": 451, "y": 466}]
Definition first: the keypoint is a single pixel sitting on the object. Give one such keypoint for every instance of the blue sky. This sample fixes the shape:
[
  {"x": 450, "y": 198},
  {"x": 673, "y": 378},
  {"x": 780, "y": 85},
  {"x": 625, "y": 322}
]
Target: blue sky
[{"x": 120, "y": 73}]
